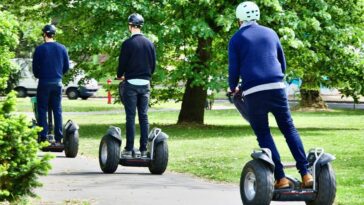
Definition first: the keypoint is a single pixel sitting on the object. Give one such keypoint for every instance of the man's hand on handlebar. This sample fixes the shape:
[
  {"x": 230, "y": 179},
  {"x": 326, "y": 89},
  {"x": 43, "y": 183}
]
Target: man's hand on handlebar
[{"x": 121, "y": 78}]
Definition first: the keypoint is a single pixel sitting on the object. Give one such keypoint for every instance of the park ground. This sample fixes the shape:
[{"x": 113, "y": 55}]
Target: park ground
[{"x": 218, "y": 150}]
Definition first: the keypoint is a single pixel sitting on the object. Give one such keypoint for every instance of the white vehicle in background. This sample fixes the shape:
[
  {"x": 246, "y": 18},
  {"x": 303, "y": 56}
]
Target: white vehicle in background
[{"x": 27, "y": 85}]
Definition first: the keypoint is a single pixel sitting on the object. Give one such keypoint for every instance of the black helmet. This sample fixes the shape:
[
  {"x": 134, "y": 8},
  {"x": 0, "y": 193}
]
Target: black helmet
[
  {"x": 49, "y": 30},
  {"x": 136, "y": 20}
]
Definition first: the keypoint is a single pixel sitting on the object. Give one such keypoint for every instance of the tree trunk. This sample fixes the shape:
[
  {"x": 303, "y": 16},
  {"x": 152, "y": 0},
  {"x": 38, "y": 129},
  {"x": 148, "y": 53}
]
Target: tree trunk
[
  {"x": 311, "y": 98},
  {"x": 194, "y": 97}
]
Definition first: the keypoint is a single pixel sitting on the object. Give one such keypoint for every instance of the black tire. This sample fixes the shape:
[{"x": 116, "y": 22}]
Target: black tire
[
  {"x": 326, "y": 186},
  {"x": 72, "y": 93},
  {"x": 84, "y": 97},
  {"x": 71, "y": 144},
  {"x": 109, "y": 154},
  {"x": 22, "y": 92},
  {"x": 160, "y": 159},
  {"x": 256, "y": 183}
]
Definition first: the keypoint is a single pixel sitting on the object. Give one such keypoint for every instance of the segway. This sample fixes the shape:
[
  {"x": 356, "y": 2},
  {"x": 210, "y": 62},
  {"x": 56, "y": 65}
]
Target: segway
[
  {"x": 109, "y": 150},
  {"x": 257, "y": 180},
  {"x": 70, "y": 130},
  {"x": 157, "y": 152}
]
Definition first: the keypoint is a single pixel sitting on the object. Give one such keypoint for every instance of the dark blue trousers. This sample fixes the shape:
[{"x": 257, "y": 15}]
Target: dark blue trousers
[
  {"x": 50, "y": 94},
  {"x": 136, "y": 97},
  {"x": 275, "y": 101}
]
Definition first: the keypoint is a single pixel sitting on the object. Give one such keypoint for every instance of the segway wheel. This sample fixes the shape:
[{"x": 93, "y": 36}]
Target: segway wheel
[
  {"x": 109, "y": 154},
  {"x": 160, "y": 159},
  {"x": 71, "y": 144},
  {"x": 326, "y": 187},
  {"x": 256, "y": 183}
]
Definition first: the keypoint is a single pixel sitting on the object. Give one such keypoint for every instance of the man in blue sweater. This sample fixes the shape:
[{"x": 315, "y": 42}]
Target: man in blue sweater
[
  {"x": 50, "y": 62},
  {"x": 137, "y": 63},
  {"x": 256, "y": 56}
]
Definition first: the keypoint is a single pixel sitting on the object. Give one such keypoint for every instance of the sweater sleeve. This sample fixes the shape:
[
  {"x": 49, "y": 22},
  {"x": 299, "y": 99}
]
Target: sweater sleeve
[
  {"x": 66, "y": 63},
  {"x": 153, "y": 58},
  {"x": 281, "y": 57},
  {"x": 123, "y": 59},
  {"x": 35, "y": 63},
  {"x": 233, "y": 66}
]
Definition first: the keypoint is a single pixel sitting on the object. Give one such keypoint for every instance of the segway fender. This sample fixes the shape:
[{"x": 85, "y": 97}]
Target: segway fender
[
  {"x": 161, "y": 138},
  {"x": 114, "y": 132},
  {"x": 264, "y": 155},
  {"x": 71, "y": 126},
  {"x": 324, "y": 160}
]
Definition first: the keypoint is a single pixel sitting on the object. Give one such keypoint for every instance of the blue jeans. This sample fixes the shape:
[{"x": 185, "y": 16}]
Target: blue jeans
[
  {"x": 136, "y": 97},
  {"x": 275, "y": 101},
  {"x": 50, "y": 94}
]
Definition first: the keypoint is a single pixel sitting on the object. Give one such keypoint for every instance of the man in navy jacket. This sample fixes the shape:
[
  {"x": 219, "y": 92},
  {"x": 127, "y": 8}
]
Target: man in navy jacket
[
  {"x": 256, "y": 56},
  {"x": 137, "y": 63},
  {"x": 50, "y": 62}
]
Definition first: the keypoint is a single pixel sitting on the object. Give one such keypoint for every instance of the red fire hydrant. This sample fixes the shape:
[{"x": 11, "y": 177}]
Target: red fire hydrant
[{"x": 108, "y": 92}]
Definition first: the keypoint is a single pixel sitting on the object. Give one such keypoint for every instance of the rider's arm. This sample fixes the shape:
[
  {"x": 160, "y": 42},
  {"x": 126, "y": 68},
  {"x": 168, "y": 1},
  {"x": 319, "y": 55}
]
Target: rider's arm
[
  {"x": 281, "y": 57},
  {"x": 35, "y": 63},
  {"x": 233, "y": 66},
  {"x": 123, "y": 59},
  {"x": 66, "y": 63},
  {"x": 154, "y": 59}
]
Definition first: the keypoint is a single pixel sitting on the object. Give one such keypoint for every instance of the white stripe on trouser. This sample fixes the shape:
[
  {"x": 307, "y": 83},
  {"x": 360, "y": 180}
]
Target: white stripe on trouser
[{"x": 268, "y": 86}]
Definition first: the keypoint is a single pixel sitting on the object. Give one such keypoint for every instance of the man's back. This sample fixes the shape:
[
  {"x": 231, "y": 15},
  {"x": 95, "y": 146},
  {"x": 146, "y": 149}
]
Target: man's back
[
  {"x": 259, "y": 56},
  {"x": 50, "y": 61},
  {"x": 137, "y": 58}
]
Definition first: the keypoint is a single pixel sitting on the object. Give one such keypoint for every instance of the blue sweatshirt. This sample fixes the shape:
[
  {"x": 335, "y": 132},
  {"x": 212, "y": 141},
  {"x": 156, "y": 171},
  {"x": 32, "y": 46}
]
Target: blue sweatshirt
[
  {"x": 255, "y": 55},
  {"x": 50, "y": 62}
]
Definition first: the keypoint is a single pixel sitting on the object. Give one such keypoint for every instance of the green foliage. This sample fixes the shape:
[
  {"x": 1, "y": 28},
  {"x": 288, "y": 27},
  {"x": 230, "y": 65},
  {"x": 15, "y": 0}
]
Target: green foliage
[
  {"x": 19, "y": 164},
  {"x": 16, "y": 39},
  {"x": 8, "y": 41},
  {"x": 321, "y": 39}
]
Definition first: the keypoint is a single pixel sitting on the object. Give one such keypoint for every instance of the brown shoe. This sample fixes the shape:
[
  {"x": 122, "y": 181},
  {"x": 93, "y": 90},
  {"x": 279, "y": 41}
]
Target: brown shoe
[
  {"x": 282, "y": 183},
  {"x": 307, "y": 181}
]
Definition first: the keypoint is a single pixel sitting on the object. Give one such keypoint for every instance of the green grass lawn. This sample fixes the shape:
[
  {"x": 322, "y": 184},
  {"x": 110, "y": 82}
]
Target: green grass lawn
[
  {"x": 219, "y": 150},
  {"x": 89, "y": 105}
]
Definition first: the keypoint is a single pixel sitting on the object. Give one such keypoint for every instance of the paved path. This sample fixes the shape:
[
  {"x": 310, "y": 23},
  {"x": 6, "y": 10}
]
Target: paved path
[{"x": 81, "y": 179}]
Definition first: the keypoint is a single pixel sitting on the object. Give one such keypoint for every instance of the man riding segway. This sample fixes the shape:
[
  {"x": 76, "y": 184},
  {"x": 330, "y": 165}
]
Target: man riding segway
[
  {"x": 137, "y": 63},
  {"x": 256, "y": 56},
  {"x": 50, "y": 63}
]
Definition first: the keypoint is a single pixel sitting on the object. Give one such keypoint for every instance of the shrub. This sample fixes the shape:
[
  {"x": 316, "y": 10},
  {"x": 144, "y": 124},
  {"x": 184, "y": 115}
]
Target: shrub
[{"x": 19, "y": 164}]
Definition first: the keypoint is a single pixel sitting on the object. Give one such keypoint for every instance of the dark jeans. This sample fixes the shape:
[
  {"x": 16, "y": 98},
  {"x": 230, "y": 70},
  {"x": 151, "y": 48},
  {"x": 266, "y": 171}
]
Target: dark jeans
[
  {"x": 50, "y": 95},
  {"x": 136, "y": 97},
  {"x": 275, "y": 101}
]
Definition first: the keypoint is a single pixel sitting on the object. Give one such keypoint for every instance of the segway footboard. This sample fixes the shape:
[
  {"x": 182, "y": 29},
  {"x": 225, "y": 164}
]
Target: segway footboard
[
  {"x": 294, "y": 195},
  {"x": 135, "y": 162},
  {"x": 53, "y": 148}
]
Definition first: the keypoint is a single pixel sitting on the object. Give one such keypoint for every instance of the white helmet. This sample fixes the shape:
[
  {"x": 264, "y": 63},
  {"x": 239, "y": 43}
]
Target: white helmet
[{"x": 247, "y": 11}]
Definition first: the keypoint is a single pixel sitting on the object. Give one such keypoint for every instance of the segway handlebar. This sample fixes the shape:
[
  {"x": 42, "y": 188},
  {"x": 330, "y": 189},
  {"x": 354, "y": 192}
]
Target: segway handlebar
[
  {"x": 230, "y": 96},
  {"x": 121, "y": 79}
]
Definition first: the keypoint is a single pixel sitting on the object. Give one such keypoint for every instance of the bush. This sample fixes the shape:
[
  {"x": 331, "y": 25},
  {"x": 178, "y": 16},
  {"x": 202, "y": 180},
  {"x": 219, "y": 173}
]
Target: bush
[{"x": 19, "y": 164}]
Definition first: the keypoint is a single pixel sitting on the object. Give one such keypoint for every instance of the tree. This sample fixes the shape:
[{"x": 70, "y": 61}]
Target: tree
[
  {"x": 328, "y": 36},
  {"x": 19, "y": 163},
  {"x": 21, "y": 38},
  {"x": 191, "y": 39},
  {"x": 191, "y": 43},
  {"x": 8, "y": 41}
]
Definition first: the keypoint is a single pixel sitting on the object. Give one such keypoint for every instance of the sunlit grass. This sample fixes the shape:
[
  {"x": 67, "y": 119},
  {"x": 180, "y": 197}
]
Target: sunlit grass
[{"x": 219, "y": 150}]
